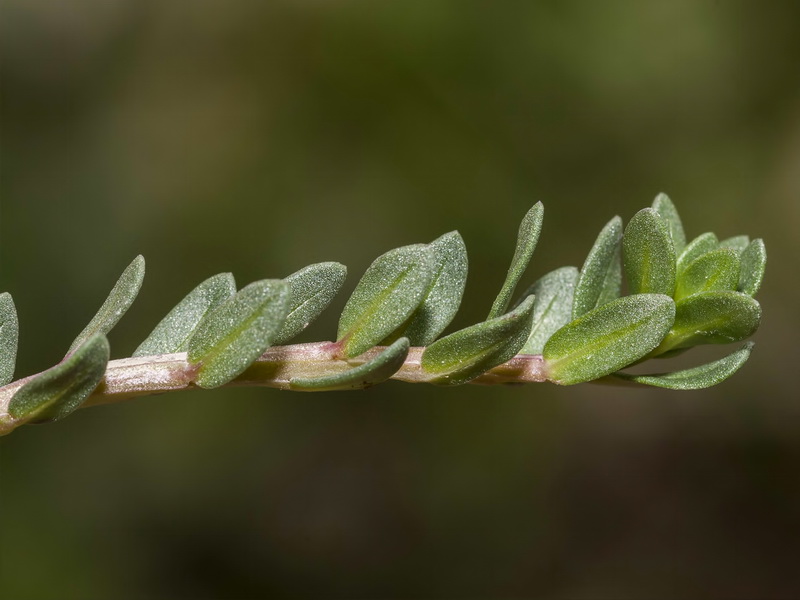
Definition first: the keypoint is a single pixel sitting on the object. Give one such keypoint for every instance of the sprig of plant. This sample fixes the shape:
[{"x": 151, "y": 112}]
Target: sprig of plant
[{"x": 570, "y": 326}]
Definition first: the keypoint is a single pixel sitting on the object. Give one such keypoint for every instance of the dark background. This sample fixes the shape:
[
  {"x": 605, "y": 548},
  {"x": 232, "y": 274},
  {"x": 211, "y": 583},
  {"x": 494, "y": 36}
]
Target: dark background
[{"x": 257, "y": 137}]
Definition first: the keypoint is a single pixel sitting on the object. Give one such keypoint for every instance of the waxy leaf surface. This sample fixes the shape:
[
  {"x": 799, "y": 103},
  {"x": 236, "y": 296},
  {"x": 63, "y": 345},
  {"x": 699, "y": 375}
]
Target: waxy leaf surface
[
  {"x": 238, "y": 331},
  {"x": 649, "y": 255},
  {"x": 527, "y": 238},
  {"x": 55, "y": 393},
  {"x": 468, "y": 353},
  {"x": 175, "y": 330},
  {"x": 703, "y": 243},
  {"x": 389, "y": 292},
  {"x": 117, "y": 304},
  {"x": 608, "y": 338},
  {"x": 379, "y": 369},
  {"x": 601, "y": 276},
  {"x": 552, "y": 307},
  {"x": 664, "y": 206},
  {"x": 737, "y": 243},
  {"x": 715, "y": 270},
  {"x": 9, "y": 337},
  {"x": 754, "y": 261},
  {"x": 311, "y": 290}
]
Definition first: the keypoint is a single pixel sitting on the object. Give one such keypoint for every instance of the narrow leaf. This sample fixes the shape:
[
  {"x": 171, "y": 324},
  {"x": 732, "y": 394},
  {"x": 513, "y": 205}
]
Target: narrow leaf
[
  {"x": 9, "y": 336},
  {"x": 527, "y": 237},
  {"x": 118, "y": 302},
  {"x": 379, "y": 369},
  {"x": 238, "y": 331},
  {"x": 696, "y": 378},
  {"x": 737, "y": 243},
  {"x": 552, "y": 307},
  {"x": 311, "y": 290},
  {"x": 55, "y": 393},
  {"x": 172, "y": 334},
  {"x": 389, "y": 292},
  {"x": 712, "y": 318},
  {"x": 669, "y": 213},
  {"x": 468, "y": 353},
  {"x": 601, "y": 276},
  {"x": 703, "y": 243},
  {"x": 754, "y": 260},
  {"x": 443, "y": 296},
  {"x": 649, "y": 254},
  {"x": 608, "y": 338},
  {"x": 715, "y": 270}
]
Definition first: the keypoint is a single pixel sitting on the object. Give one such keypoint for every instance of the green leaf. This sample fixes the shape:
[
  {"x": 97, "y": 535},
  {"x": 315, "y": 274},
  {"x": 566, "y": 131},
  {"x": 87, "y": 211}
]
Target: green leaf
[
  {"x": 601, "y": 276},
  {"x": 172, "y": 334},
  {"x": 703, "y": 243},
  {"x": 737, "y": 243},
  {"x": 468, "y": 353},
  {"x": 649, "y": 255},
  {"x": 552, "y": 307},
  {"x": 664, "y": 206},
  {"x": 9, "y": 336},
  {"x": 712, "y": 318},
  {"x": 715, "y": 270},
  {"x": 55, "y": 393},
  {"x": 443, "y": 296},
  {"x": 527, "y": 237},
  {"x": 238, "y": 331},
  {"x": 379, "y": 369},
  {"x": 608, "y": 338},
  {"x": 117, "y": 304},
  {"x": 696, "y": 378},
  {"x": 389, "y": 292},
  {"x": 754, "y": 260},
  {"x": 311, "y": 290}
]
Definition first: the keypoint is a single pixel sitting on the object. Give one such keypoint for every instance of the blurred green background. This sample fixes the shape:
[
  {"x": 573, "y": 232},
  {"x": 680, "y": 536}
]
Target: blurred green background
[{"x": 258, "y": 137}]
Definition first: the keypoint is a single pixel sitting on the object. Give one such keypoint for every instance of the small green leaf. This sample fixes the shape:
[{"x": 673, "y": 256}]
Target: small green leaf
[
  {"x": 468, "y": 353},
  {"x": 552, "y": 307},
  {"x": 669, "y": 213},
  {"x": 379, "y": 369},
  {"x": 712, "y": 318},
  {"x": 443, "y": 296},
  {"x": 118, "y": 302},
  {"x": 608, "y": 338},
  {"x": 715, "y": 270},
  {"x": 527, "y": 238},
  {"x": 389, "y": 292},
  {"x": 696, "y": 378},
  {"x": 311, "y": 290},
  {"x": 649, "y": 255},
  {"x": 55, "y": 393},
  {"x": 754, "y": 260},
  {"x": 703, "y": 243},
  {"x": 238, "y": 331},
  {"x": 9, "y": 336},
  {"x": 172, "y": 334},
  {"x": 737, "y": 243},
  {"x": 601, "y": 276}
]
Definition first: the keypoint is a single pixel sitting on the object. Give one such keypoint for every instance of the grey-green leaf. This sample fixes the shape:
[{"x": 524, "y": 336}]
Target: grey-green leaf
[
  {"x": 374, "y": 371},
  {"x": 389, "y": 292},
  {"x": 311, "y": 290},
  {"x": 737, "y": 243},
  {"x": 649, "y": 255},
  {"x": 754, "y": 261},
  {"x": 669, "y": 213},
  {"x": 238, "y": 331},
  {"x": 703, "y": 243},
  {"x": 55, "y": 393},
  {"x": 117, "y": 304},
  {"x": 715, "y": 270},
  {"x": 608, "y": 338},
  {"x": 552, "y": 307},
  {"x": 443, "y": 296},
  {"x": 712, "y": 318},
  {"x": 9, "y": 337},
  {"x": 527, "y": 238},
  {"x": 470, "y": 352},
  {"x": 172, "y": 334},
  {"x": 697, "y": 378},
  {"x": 601, "y": 276}
]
